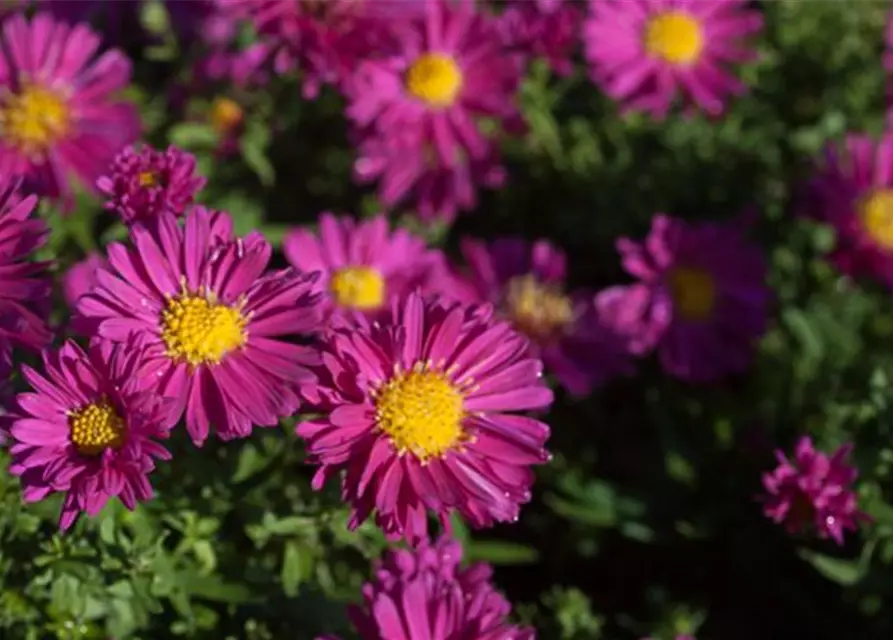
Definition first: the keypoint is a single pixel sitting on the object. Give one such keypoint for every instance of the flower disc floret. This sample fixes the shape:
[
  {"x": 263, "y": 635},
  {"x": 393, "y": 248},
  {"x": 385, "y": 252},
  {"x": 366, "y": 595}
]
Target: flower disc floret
[
  {"x": 35, "y": 119},
  {"x": 96, "y": 427},
  {"x": 358, "y": 287},
  {"x": 675, "y": 37},
  {"x": 538, "y": 309},
  {"x": 694, "y": 292},
  {"x": 435, "y": 79},
  {"x": 198, "y": 329},
  {"x": 421, "y": 411}
]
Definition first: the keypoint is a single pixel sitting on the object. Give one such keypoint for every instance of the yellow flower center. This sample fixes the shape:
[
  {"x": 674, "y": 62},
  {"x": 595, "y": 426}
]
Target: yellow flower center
[
  {"x": 226, "y": 114},
  {"x": 435, "y": 79},
  {"x": 675, "y": 37},
  {"x": 361, "y": 288},
  {"x": 421, "y": 411},
  {"x": 199, "y": 330},
  {"x": 876, "y": 212},
  {"x": 147, "y": 179},
  {"x": 33, "y": 120},
  {"x": 95, "y": 428},
  {"x": 693, "y": 291},
  {"x": 538, "y": 309}
]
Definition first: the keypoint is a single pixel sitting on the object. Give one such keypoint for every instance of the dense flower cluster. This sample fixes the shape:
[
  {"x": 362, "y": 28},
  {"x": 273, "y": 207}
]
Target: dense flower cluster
[{"x": 418, "y": 377}]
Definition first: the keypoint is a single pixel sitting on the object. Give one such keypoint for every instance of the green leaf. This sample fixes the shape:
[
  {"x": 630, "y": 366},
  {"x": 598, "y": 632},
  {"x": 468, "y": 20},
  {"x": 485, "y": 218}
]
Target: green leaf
[
  {"x": 499, "y": 552},
  {"x": 294, "y": 570},
  {"x": 845, "y": 572}
]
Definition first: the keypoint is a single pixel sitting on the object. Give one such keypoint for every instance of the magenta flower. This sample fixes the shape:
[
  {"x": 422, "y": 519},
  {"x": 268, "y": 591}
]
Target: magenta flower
[
  {"x": 80, "y": 278},
  {"x": 145, "y": 183},
  {"x": 526, "y": 283},
  {"x": 324, "y": 40},
  {"x": 853, "y": 192},
  {"x": 58, "y": 116},
  {"x": 701, "y": 299},
  {"x": 424, "y": 594},
  {"x": 364, "y": 265},
  {"x": 420, "y": 415},
  {"x": 407, "y": 172},
  {"x": 547, "y": 29},
  {"x": 421, "y": 104},
  {"x": 25, "y": 287},
  {"x": 212, "y": 318},
  {"x": 644, "y": 53},
  {"x": 89, "y": 429},
  {"x": 813, "y": 488}
]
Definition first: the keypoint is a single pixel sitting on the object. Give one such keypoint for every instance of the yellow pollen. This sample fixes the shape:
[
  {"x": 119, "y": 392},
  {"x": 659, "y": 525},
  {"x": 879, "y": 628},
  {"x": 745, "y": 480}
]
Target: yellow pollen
[
  {"x": 361, "y": 288},
  {"x": 540, "y": 310},
  {"x": 876, "y": 212},
  {"x": 226, "y": 114},
  {"x": 147, "y": 179},
  {"x": 34, "y": 119},
  {"x": 421, "y": 411},
  {"x": 694, "y": 292},
  {"x": 675, "y": 37},
  {"x": 199, "y": 330},
  {"x": 435, "y": 79},
  {"x": 95, "y": 428}
]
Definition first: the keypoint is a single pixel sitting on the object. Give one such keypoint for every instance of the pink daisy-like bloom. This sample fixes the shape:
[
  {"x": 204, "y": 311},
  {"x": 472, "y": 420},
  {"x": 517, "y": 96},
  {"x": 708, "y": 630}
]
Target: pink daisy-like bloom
[
  {"x": 813, "y": 489},
  {"x": 852, "y": 190},
  {"x": 80, "y": 278},
  {"x": 407, "y": 172},
  {"x": 143, "y": 183},
  {"x": 422, "y": 101},
  {"x": 643, "y": 53},
  {"x": 212, "y": 318},
  {"x": 89, "y": 428},
  {"x": 364, "y": 265},
  {"x": 424, "y": 594},
  {"x": 545, "y": 29},
  {"x": 420, "y": 415},
  {"x": 25, "y": 287},
  {"x": 526, "y": 283},
  {"x": 701, "y": 298},
  {"x": 58, "y": 114}
]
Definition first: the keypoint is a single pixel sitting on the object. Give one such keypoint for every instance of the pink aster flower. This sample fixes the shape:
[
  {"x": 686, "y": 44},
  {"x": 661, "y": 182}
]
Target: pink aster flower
[
  {"x": 80, "y": 278},
  {"x": 545, "y": 29},
  {"x": 815, "y": 489},
  {"x": 424, "y": 594},
  {"x": 144, "y": 183},
  {"x": 526, "y": 283},
  {"x": 420, "y": 414},
  {"x": 212, "y": 317},
  {"x": 25, "y": 286},
  {"x": 424, "y": 100},
  {"x": 407, "y": 172},
  {"x": 643, "y": 53},
  {"x": 89, "y": 429},
  {"x": 364, "y": 265},
  {"x": 58, "y": 114},
  {"x": 852, "y": 190},
  {"x": 701, "y": 298}
]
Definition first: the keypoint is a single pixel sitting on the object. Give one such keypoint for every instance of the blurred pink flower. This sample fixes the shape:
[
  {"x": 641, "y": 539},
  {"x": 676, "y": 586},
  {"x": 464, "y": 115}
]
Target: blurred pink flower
[{"x": 80, "y": 278}]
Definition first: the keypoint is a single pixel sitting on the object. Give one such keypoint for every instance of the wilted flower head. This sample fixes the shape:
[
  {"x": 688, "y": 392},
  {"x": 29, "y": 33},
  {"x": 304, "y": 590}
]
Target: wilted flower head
[
  {"x": 143, "y": 183},
  {"x": 546, "y": 29},
  {"x": 701, "y": 298},
  {"x": 424, "y": 594},
  {"x": 364, "y": 265},
  {"x": 417, "y": 108},
  {"x": 58, "y": 113},
  {"x": 644, "y": 53},
  {"x": 813, "y": 489},
  {"x": 421, "y": 415},
  {"x": 852, "y": 190},
  {"x": 212, "y": 318},
  {"x": 526, "y": 283},
  {"x": 89, "y": 429}
]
